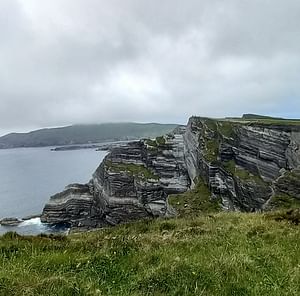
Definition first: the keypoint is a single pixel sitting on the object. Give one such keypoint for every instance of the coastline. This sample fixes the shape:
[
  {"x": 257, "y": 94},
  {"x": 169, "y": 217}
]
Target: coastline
[{"x": 34, "y": 227}]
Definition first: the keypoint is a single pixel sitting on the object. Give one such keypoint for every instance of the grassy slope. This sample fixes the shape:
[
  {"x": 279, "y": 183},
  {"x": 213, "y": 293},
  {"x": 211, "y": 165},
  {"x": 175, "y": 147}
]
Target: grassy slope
[
  {"x": 215, "y": 254},
  {"x": 267, "y": 121}
]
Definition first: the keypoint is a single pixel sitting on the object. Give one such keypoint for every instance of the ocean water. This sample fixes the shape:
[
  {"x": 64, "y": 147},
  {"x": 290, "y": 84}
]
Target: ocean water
[{"x": 29, "y": 176}]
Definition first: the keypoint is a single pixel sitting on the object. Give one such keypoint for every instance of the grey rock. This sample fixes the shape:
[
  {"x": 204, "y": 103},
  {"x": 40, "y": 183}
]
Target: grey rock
[
  {"x": 10, "y": 222},
  {"x": 244, "y": 164},
  {"x": 132, "y": 182},
  {"x": 262, "y": 151},
  {"x": 289, "y": 183}
]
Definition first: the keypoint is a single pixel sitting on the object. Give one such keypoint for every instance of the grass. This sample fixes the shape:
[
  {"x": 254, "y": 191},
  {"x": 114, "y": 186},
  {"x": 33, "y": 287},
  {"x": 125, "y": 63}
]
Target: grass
[
  {"x": 241, "y": 173},
  {"x": 278, "y": 121},
  {"x": 291, "y": 215},
  {"x": 151, "y": 143},
  {"x": 161, "y": 140},
  {"x": 194, "y": 202},
  {"x": 210, "y": 137},
  {"x": 229, "y": 166},
  {"x": 247, "y": 176},
  {"x": 267, "y": 121},
  {"x": 155, "y": 143},
  {"x": 213, "y": 133},
  {"x": 292, "y": 177},
  {"x": 216, "y": 254},
  {"x": 138, "y": 171},
  {"x": 212, "y": 150},
  {"x": 284, "y": 201},
  {"x": 226, "y": 129}
]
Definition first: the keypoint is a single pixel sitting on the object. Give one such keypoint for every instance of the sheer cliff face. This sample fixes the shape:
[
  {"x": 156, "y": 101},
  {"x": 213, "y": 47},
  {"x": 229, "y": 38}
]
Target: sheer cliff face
[
  {"x": 132, "y": 182},
  {"x": 245, "y": 165}
]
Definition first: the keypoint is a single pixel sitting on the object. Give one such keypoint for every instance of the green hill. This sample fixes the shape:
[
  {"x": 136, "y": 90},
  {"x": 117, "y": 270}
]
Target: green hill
[
  {"x": 257, "y": 116},
  {"x": 82, "y": 134}
]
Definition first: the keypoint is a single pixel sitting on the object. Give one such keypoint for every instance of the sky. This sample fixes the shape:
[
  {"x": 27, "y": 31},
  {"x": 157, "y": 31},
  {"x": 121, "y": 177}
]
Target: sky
[{"x": 90, "y": 61}]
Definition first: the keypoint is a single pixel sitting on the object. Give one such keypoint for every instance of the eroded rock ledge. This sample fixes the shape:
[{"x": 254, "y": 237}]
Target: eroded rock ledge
[
  {"x": 131, "y": 183},
  {"x": 247, "y": 165}
]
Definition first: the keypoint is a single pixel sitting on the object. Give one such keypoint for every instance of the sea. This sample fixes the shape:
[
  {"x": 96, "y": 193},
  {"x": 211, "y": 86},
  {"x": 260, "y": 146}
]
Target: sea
[{"x": 29, "y": 176}]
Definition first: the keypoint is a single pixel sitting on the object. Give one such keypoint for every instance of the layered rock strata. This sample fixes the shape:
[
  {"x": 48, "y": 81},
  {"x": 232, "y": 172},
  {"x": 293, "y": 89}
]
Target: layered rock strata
[
  {"x": 245, "y": 164},
  {"x": 131, "y": 183}
]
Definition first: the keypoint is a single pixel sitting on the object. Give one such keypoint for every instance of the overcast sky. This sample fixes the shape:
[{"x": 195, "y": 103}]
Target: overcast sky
[{"x": 92, "y": 61}]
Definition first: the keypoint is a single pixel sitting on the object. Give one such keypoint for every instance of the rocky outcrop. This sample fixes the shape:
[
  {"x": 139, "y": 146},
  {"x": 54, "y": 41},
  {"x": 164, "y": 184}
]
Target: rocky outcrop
[
  {"x": 289, "y": 183},
  {"x": 74, "y": 206},
  {"x": 132, "y": 183},
  {"x": 10, "y": 222},
  {"x": 244, "y": 163}
]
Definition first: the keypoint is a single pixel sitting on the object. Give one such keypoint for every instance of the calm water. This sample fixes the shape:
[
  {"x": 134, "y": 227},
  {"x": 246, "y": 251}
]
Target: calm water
[{"x": 29, "y": 176}]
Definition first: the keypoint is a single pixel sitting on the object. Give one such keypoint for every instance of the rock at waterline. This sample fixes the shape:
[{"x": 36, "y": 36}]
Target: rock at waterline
[{"x": 10, "y": 222}]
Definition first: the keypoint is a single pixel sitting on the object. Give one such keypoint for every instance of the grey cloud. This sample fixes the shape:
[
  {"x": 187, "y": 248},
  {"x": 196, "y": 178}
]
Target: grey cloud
[{"x": 71, "y": 61}]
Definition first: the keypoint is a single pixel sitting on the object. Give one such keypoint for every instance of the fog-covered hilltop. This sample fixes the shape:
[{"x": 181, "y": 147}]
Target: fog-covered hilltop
[{"x": 82, "y": 134}]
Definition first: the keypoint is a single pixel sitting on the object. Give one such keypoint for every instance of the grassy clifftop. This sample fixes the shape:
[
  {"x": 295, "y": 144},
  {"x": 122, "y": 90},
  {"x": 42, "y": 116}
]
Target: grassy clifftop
[{"x": 208, "y": 254}]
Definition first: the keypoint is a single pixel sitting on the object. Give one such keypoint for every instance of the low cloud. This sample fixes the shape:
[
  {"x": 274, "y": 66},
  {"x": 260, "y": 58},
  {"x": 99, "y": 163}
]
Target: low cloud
[{"x": 87, "y": 61}]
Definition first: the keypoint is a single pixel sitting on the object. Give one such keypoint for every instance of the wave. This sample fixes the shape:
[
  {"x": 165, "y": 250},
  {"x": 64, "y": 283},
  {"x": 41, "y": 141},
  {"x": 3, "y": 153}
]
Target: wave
[
  {"x": 34, "y": 226},
  {"x": 32, "y": 221}
]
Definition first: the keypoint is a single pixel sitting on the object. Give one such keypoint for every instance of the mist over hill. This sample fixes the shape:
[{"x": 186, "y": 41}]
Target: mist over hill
[{"x": 82, "y": 134}]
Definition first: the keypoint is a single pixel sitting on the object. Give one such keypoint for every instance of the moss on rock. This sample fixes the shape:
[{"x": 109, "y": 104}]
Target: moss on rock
[
  {"x": 138, "y": 171},
  {"x": 195, "y": 201},
  {"x": 284, "y": 201}
]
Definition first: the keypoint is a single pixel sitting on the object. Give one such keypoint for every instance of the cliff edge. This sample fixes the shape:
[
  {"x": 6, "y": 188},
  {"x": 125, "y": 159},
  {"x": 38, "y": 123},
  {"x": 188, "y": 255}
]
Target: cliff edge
[
  {"x": 247, "y": 165},
  {"x": 132, "y": 182}
]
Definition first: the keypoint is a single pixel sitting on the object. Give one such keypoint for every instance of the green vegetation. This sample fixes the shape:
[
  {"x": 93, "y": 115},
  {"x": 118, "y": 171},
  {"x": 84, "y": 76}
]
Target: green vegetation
[
  {"x": 258, "y": 117},
  {"x": 245, "y": 175},
  {"x": 292, "y": 176},
  {"x": 265, "y": 120},
  {"x": 151, "y": 143},
  {"x": 277, "y": 122},
  {"x": 242, "y": 174},
  {"x": 226, "y": 129},
  {"x": 216, "y": 254},
  {"x": 229, "y": 166},
  {"x": 213, "y": 133},
  {"x": 212, "y": 150},
  {"x": 291, "y": 215},
  {"x": 194, "y": 202},
  {"x": 201, "y": 252},
  {"x": 284, "y": 201},
  {"x": 210, "y": 138},
  {"x": 158, "y": 141},
  {"x": 138, "y": 171},
  {"x": 211, "y": 124},
  {"x": 82, "y": 134}
]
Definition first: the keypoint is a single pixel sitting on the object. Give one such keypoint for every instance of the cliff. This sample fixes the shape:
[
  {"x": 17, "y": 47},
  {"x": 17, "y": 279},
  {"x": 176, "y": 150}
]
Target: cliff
[
  {"x": 132, "y": 182},
  {"x": 247, "y": 165}
]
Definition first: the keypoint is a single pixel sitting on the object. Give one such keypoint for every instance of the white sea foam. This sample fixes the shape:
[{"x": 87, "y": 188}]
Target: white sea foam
[{"x": 33, "y": 221}]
